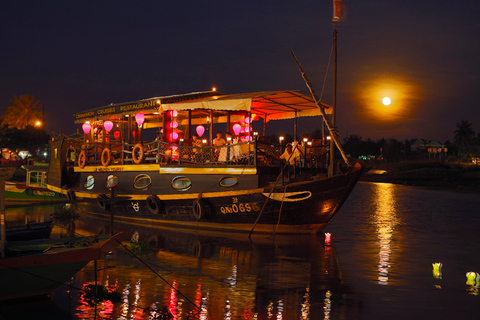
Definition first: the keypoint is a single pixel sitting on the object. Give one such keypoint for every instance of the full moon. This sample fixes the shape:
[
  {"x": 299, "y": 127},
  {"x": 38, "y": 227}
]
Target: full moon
[{"x": 386, "y": 101}]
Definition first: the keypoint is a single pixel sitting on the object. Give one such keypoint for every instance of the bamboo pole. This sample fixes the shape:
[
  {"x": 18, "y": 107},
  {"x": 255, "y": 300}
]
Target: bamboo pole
[{"x": 330, "y": 127}]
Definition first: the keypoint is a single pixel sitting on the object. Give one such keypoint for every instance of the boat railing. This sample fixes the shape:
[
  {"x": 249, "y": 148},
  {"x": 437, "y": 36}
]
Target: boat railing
[
  {"x": 164, "y": 153},
  {"x": 157, "y": 151}
]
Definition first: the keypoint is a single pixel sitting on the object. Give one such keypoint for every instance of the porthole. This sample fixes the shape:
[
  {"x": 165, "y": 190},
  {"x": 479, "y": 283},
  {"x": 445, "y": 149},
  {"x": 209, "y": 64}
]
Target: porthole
[
  {"x": 228, "y": 182},
  {"x": 89, "y": 183},
  {"x": 142, "y": 181},
  {"x": 181, "y": 183},
  {"x": 112, "y": 182}
]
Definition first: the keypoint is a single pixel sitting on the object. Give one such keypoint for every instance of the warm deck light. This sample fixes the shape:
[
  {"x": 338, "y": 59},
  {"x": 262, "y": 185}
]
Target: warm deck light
[
  {"x": 200, "y": 130},
  {"x": 214, "y": 89},
  {"x": 108, "y": 125},
  {"x": 86, "y": 127},
  {"x": 281, "y": 138},
  {"x": 305, "y": 139},
  {"x": 139, "y": 118},
  {"x": 329, "y": 138},
  {"x": 204, "y": 141},
  {"x": 236, "y": 129},
  {"x": 328, "y": 239}
]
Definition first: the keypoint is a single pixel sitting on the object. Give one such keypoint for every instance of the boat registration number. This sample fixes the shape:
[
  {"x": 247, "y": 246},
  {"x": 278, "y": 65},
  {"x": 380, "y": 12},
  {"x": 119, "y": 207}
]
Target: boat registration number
[{"x": 239, "y": 207}]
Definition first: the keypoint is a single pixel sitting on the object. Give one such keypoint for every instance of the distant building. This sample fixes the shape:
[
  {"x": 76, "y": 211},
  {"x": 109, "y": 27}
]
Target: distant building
[{"x": 420, "y": 145}]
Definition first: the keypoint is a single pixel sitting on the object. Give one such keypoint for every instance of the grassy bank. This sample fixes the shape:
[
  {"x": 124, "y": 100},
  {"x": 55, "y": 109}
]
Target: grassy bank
[{"x": 427, "y": 174}]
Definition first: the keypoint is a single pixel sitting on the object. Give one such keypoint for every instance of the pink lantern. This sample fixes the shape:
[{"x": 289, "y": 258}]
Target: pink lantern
[
  {"x": 237, "y": 128},
  {"x": 108, "y": 125},
  {"x": 174, "y": 124},
  {"x": 174, "y": 113},
  {"x": 200, "y": 130},
  {"x": 175, "y": 136},
  {"x": 86, "y": 127},
  {"x": 95, "y": 130},
  {"x": 116, "y": 134},
  {"x": 247, "y": 129},
  {"x": 248, "y": 120},
  {"x": 139, "y": 118}
]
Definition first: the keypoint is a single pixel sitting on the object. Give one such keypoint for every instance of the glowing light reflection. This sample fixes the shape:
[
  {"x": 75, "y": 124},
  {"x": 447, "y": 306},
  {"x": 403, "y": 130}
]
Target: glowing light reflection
[{"x": 385, "y": 221}]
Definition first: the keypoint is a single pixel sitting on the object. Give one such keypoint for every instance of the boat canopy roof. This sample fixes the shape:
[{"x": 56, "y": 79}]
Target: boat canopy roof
[{"x": 270, "y": 105}]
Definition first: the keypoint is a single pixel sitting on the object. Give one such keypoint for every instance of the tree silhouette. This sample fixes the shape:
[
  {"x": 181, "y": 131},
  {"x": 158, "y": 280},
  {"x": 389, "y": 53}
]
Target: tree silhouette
[
  {"x": 23, "y": 111},
  {"x": 464, "y": 136}
]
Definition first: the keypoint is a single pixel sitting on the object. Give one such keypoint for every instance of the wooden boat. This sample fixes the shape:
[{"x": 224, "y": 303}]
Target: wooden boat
[
  {"x": 144, "y": 152},
  {"x": 33, "y": 189},
  {"x": 30, "y": 231},
  {"x": 36, "y": 267}
]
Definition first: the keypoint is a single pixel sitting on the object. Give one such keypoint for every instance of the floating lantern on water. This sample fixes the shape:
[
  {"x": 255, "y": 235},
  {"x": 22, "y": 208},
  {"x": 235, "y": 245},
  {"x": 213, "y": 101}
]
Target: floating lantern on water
[
  {"x": 328, "y": 239},
  {"x": 86, "y": 127},
  {"x": 437, "y": 270},
  {"x": 200, "y": 130},
  {"x": 473, "y": 278}
]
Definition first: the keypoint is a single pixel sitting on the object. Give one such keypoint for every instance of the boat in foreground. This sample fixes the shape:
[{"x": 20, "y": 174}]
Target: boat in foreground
[
  {"x": 37, "y": 267},
  {"x": 30, "y": 231},
  {"x": 33, "y": 189},
  {"x": 160, "y": 157}
]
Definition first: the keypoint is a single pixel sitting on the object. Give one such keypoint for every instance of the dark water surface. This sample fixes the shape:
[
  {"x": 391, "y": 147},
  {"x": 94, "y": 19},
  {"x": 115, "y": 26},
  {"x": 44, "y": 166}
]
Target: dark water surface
[{"x": 379, "y": 266}]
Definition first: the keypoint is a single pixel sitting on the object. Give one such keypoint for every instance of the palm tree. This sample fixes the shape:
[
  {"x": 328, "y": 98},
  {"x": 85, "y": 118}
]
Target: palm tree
[
  {"x": 23, "y": 111},
  {"x": 464, "y": 136}
]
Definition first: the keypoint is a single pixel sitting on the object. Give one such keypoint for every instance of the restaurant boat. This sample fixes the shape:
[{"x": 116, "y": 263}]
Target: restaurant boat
[{"x": 161, "y": 161}]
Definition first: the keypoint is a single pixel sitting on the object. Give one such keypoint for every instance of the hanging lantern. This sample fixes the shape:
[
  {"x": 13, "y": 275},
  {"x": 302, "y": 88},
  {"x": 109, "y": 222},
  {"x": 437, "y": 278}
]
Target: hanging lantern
[
  {"x": 174, "y": 124},
  {"x": 116, "y": 134},
  {"x": 95, "y": 130},
  {"x": 139, "y": 118},
  {"x": 200, "y": 130},
  {"x": 108, "y": 125},
  {"x": 236, "y": 129},
  {"x": 175, "y": 136},
  {"x": 86, "y": 127},
  {"x": 174, "y": 113},
  {"x": 248, "y": 120}
]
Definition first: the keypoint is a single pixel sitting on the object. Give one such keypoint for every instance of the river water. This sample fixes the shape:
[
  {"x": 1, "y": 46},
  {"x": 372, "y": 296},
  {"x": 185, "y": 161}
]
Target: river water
[{"x": 378, "y": 266}]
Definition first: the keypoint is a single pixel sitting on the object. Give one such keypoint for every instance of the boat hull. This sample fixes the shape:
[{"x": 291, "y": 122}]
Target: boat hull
[
  {"x": 299, "y": 207},
  {"x": 28, "y": 275},
  {"x": 19, "y": 192}
]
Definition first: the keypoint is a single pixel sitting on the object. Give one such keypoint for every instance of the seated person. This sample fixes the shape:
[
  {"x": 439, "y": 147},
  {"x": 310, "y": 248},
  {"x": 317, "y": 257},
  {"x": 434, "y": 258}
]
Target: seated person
[
  {"x": 291, "y": 156},
  {"x": 220, "y": 153}
]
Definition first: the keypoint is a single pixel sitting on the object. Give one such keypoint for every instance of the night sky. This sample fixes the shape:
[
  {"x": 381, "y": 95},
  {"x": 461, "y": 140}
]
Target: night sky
[{"x": 78, "y": 55}]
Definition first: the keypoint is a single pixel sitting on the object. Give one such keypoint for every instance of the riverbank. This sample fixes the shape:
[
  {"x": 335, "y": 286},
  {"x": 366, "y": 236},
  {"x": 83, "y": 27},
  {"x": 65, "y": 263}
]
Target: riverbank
[{"x": 455, "y": 177}]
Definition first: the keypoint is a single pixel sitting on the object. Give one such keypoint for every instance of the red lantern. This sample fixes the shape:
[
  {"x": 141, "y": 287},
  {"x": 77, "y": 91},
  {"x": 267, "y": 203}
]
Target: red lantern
[{"x": 116, "y": 134}]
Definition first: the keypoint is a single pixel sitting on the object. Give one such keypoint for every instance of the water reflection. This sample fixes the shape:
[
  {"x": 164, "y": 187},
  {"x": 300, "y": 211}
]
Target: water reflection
[
  {"x": 203, "y": 277},
  {"x": 385, "y": 220}
]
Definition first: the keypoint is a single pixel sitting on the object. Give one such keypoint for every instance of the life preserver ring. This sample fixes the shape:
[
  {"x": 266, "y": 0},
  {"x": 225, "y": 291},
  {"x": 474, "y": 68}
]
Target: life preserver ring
[
  {"x": 29, "y": 191},
  {"x": 138, "y": 148},
  {"x": 82, "y": 159},
  {"x": 106, "y": 157},
  {"x": 102, "y": 202},
  {"x": 154, "y": 204},
  {"x": 71, "y": 196},
  {"x": 198, "y": 207}
]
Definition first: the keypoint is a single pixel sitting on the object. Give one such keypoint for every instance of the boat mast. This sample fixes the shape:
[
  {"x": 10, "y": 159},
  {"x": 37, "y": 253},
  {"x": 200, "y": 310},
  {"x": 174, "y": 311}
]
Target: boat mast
[{"x": 334, "y": 102}]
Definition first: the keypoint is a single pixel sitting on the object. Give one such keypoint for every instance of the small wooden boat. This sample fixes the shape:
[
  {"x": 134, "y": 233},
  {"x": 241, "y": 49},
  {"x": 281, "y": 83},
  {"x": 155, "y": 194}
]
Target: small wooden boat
[
  {"x": 30, "y": 231},
  {"x": 33, "y": 189},
  {"x": 37, "y": 267}
]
